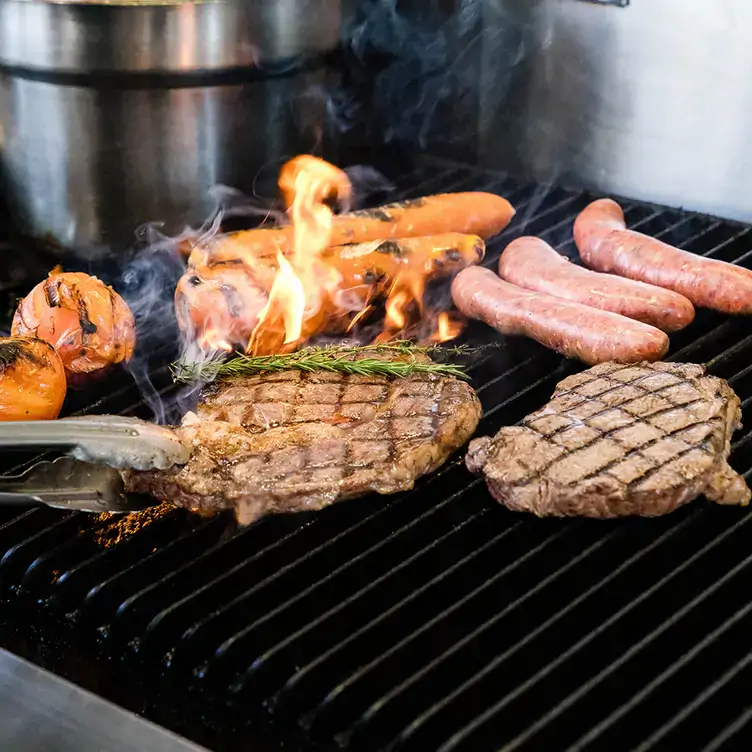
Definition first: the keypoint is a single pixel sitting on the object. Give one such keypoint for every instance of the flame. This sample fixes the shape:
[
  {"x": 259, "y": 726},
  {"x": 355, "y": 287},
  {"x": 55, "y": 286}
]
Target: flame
[
  {"x": 395, "y": 310},
  {"x": 407, "y": 289},
  {"x": 287, "y": 297},
  {"x": 302, "y": 282},
  {"x": 323, "y": 182},
  {"x": 212, "y": 340},
  {"x": 268, "y": 293},
  {"x": 447, "y": 328}
]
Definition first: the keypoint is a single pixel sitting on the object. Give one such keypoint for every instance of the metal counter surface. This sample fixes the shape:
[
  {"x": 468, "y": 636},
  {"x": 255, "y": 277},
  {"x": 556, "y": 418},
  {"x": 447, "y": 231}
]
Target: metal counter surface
[{"x": 40, "y": 711}]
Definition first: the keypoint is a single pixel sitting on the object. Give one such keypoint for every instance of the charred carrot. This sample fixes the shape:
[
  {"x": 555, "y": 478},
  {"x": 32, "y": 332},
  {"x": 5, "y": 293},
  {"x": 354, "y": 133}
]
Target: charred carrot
[
  {"x": 225, "y": 296},
  {"x": 382, "y": 260},
  {"x": 483, "y": 214}
]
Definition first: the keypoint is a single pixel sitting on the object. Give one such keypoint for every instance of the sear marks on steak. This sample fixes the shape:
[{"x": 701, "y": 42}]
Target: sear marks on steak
[
  {"x": 293, "y": 441},
  {"x": 618, "y": 440}
]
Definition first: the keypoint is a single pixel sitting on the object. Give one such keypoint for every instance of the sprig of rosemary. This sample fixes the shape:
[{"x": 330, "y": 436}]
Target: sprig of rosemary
[{"x": 332, "y": 358}]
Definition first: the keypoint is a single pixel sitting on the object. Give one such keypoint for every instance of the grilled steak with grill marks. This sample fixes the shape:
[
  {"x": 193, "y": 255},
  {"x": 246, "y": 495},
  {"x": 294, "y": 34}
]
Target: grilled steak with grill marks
[
  {"x": 293, "y": 441},
  {"x": 618, "y": 440}
]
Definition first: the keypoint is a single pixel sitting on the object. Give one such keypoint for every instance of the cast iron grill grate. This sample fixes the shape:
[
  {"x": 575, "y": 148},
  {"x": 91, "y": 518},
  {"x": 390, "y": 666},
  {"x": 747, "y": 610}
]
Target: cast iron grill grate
[{"x": 433, "y": 620}]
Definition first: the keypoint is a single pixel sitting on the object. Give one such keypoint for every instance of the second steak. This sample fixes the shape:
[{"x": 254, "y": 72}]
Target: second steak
[{"x": 618, "y": 440}]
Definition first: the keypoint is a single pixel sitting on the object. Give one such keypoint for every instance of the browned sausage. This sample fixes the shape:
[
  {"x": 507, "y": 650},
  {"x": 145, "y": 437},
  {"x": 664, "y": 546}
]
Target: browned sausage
[
  {"x": 607, "y": 246},
  {"x": 533, "y": 264},
  {"x": 574, "y": 330}
]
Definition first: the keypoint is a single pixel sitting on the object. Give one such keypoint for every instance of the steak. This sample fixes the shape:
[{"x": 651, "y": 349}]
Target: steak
[
  {"x": 618, "y": 440},
  {"x": 292, "y": 441}
]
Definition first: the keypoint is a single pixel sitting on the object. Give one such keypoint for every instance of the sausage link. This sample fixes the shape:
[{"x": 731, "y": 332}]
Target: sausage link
[
  {"x": 574, "y": 330},
  {"x": 533, "y": 264},
  {"x": 606, "y": 245}
]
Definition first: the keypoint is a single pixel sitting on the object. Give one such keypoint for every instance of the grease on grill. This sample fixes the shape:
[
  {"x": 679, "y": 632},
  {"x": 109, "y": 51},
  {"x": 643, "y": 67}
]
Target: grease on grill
[{"x": 109, "y": 529}]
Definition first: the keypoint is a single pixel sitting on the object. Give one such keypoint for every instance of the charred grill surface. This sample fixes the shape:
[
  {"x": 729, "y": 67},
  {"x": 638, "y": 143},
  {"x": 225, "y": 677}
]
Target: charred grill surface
[
  {"x": 430, "y": 620},
  {"x": 296, "y": 441},
  {"x": 618, "y": 440}
]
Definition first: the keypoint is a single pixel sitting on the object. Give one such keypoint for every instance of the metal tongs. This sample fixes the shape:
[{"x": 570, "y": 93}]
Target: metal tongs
[{"x": 97, "y": 447}]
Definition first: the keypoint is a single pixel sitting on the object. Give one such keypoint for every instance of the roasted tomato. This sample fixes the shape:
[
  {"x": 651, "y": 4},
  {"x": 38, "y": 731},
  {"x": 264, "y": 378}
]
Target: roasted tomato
[
  {"x": 32, "y": 379},
  {"x": 86, "y": 321}
]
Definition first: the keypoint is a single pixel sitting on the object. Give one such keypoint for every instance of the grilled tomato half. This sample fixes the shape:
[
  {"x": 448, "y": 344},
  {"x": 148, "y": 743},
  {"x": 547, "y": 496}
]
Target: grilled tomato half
[
  {"x": 32, "y": 379},
  {"x": 85, "y": 320}
]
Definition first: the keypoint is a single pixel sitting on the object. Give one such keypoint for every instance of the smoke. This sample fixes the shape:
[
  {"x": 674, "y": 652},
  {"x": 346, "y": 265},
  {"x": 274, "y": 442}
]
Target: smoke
[
  {"x": 411, "y": 73},
  {"x": 148, "y": 285}
]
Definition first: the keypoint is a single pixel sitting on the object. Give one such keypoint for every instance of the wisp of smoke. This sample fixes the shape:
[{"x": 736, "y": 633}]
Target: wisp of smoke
[
  {"x": 148, "y": 286},
  {"x": 413, "y": 66}
]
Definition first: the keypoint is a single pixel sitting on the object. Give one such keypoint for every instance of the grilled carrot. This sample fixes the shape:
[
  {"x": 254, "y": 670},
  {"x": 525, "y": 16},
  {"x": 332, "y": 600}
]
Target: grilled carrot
[
  {"x": 483, "y": 214},
  {"x": 226, "y": 295},
  {"x": 382, "y": 260}
]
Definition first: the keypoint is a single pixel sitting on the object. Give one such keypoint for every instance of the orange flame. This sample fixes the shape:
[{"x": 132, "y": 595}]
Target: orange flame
[
  {"x": 271, "y": 291},
  {"x": 300, "y": 284},
  {"x": 288, "y": 298},
  {"x": 446, "y": 328}
]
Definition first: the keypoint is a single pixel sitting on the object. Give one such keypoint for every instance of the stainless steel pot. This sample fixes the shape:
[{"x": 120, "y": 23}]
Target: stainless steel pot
[{"x": 118, "y": 114}]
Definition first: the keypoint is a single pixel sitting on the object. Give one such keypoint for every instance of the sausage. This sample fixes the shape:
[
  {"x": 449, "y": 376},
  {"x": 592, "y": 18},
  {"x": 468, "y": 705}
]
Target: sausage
[
  {"x": 533, "y": 264},
  {"x": 483, "y": 214},
  {"x": 223, "y": 299},
  {"x": 606, "y": 245},
  {"x": 574, "y": 330}
]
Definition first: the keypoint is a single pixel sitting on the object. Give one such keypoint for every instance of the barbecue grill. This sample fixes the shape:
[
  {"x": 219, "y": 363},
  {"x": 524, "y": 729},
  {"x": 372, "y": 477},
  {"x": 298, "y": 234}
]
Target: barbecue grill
[{"x": 430, "y": 620}]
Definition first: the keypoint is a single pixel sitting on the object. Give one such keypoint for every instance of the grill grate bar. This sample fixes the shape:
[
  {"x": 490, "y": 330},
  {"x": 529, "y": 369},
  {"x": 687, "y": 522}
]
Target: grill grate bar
[
  {"x": 539, "y": 630},
  {"x": 671, "y": 671},
  {"x": 740, "y": 346},
  {"x": 454, "y": 567},
  {"x": 362, "y": 672},
  {"x": 135, "y": 604},
  {"x": 496, "y": 707},
  {"x": 726, "y": 243},
  {"x": 107, "y": 595},
  {"x": 729, "y": 732},
  {"x": 696, "y": 704},
  {"x": 228, "y": 644}
]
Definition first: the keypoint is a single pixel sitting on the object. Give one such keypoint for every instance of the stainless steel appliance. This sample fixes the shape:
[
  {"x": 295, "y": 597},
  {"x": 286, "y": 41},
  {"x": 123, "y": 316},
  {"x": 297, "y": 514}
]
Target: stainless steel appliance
[
  {"x": 113, "y": 115},
  {"x": 647, "y": 98}
]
